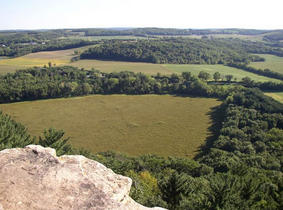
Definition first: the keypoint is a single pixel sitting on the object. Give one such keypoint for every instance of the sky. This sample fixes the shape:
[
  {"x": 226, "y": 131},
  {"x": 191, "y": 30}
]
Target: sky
[{"x": 55, "y": 14}]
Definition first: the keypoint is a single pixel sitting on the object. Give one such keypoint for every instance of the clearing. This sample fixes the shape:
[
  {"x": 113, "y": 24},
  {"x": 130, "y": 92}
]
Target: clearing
[
  {"x": 165, "y": 69},
  {"x": 59, "y": 57},
  {"x": 272, "y": 62},
  {"x": 166, "y": 125},
  {"x": 276, "y": 95}
]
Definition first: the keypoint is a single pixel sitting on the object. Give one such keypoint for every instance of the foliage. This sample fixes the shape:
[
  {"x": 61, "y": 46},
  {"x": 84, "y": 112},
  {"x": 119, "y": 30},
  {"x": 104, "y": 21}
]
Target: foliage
[
  {"x": 175, "y": 50},
  {"x": 52, "y": 138},
  {"x": 12, "y": 133}
]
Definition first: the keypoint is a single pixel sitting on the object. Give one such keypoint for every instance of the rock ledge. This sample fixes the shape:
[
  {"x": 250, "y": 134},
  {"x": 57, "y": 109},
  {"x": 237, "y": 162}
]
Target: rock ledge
[{"x": 35, "y": 178}]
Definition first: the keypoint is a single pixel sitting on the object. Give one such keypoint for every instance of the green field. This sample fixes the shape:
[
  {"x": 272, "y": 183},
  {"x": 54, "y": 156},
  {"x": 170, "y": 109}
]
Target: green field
[
  {"x": 276, "y": 95},
  {"x": 63, "y": 57},
  {"x": 272, "y": 62},
  {"x": 165, "y": 125},
  {"x": 60, "y": 57},
  {"x": 97, "y": 38},
  {"x": 166, "y": 69}
]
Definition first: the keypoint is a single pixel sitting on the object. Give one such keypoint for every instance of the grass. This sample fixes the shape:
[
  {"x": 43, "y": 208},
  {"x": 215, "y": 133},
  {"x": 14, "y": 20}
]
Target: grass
[
  {"x": 276, "y": 95},
  {"x": 272, "y": 62},
  {"x": 60, "y": 57},
  {"x": 165, "y": 69},
  {"x": 150, "y": 124},
  {"x": 63, "y": 57},
  {"x": 97, "y": 38}
]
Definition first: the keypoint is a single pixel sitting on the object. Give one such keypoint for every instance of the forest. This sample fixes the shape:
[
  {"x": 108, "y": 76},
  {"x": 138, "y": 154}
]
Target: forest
[
  {"x": 241, "y": 168},
  {"x": 176, "y": 50}
]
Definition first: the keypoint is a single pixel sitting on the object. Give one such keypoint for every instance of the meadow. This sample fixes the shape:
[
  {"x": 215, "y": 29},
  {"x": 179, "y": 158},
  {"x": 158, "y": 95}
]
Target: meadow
[
  {"x": 276, "y": 95},
  {"x": 272, "y": 62},
  {"x": 165, "y": 69},
  {"x": 63, "y": 57},
  {"x": 166, "y": 125}
]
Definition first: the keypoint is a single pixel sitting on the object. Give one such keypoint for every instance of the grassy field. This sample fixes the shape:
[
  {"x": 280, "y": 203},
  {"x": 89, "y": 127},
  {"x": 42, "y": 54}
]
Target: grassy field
[
  {"x": 97, "y": 38},
  {"x": 63, "y": 57},
  {"x": 166, "y": 69},
  {"x": 272, "y": 62},
  {"x": 276, "y": 95},
  {"x": 60, "y": 57},
  {"x": 164, "y": 125}
]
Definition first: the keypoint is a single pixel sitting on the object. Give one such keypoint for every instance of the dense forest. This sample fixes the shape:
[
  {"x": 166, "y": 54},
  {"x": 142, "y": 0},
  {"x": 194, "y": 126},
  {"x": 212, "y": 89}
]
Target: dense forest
[
  {"x": 274, "y": 37},
  {"x": 241, "y": 168},
  {"x": 175, "y": 50}
]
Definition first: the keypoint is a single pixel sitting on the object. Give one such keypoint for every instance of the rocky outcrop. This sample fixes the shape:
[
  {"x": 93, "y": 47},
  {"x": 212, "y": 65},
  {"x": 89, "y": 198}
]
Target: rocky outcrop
[{"x": 35, "y": 178}]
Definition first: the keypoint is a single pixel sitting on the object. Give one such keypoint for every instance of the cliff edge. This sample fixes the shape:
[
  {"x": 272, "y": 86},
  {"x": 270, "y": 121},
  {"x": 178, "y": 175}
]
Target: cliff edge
[{"x": 35, "y": 178}]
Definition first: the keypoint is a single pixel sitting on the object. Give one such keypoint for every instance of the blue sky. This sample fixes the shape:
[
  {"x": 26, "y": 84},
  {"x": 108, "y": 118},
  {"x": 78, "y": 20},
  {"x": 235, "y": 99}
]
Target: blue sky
[{"x": 47, "y": 14}]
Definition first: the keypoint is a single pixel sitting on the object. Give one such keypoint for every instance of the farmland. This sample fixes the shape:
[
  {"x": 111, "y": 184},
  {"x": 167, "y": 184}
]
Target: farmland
[
  {"x": 276, "y": 95},
  {"x": 150, "y": 124},
  {"x": 272, "y": 62},
  {"x": 59, "y": 57},
  {"x": 166, "y": 69},
  {"x": 97, "y": 38}
]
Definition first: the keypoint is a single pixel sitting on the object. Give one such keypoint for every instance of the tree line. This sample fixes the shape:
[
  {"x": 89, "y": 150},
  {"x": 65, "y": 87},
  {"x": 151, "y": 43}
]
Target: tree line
[
  {"x": 174, "y": 50},
  {"x": 265, "y": 72},
  {"x": 16, "y": 50}
]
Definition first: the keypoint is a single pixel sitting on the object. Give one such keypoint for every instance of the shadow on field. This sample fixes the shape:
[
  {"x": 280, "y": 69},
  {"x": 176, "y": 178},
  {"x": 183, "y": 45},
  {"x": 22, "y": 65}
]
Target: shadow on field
[{"x": 216, "y": 115}]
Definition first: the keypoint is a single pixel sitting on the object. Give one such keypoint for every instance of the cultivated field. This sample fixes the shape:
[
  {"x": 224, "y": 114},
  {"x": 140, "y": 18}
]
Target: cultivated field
[
  {"x": 164, "y": 125},
  {"x": 272, "y": 62},
  {"x": 165, "y": 69},
  {"x": 59, "y": 57},
  {"x": 276, "y": 95}
]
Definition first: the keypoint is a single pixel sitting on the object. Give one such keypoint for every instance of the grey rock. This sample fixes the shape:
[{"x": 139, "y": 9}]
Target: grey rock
[{"x": 35, "y": 178}]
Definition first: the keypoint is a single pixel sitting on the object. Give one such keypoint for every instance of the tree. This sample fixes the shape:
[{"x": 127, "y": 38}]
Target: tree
[
  {"x": 229, "y": 77},
  {"x": 204, "y": 75},
  {"x": 216, "y": 76},
  {"x": 12, "y": 133},
  {"x": 187, "y": 75},
  {"x": 49, "y": 64},
  {"x": 247, "y": 80},
  {"x": 52, "y": 138},
  {"x": 175, "y": 78}
]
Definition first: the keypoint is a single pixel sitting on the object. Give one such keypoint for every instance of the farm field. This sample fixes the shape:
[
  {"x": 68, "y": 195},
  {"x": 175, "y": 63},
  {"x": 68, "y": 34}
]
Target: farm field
[
  {"x": 60, "y": 57},
  {"x": 165, "y": 125},
  {"x": 276, "y": 95},
  {"x": 97, "y": 38},
  {"x": 272, "y": 62},
  {"x": 166, "y": 69}
]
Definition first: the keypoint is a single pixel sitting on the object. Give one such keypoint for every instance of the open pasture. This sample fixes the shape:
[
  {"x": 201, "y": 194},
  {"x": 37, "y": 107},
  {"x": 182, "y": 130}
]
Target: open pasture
[
  {"x": 272, "y": 62},
  {"x": 276, "y": 95},
  {"x": 165, "y": 69},
  {"x": 149, "y": 124}
]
